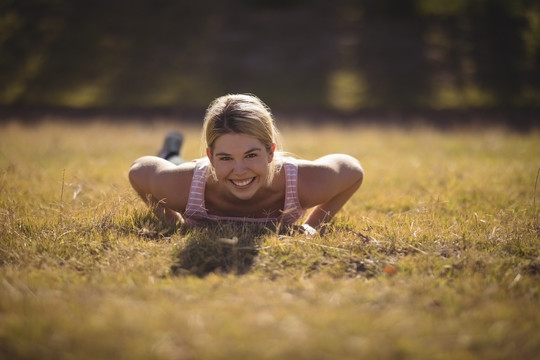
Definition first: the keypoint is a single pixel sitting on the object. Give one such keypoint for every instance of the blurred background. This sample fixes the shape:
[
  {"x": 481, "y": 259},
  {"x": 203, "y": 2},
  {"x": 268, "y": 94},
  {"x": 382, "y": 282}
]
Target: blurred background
[{"x": 315, "y": 56}]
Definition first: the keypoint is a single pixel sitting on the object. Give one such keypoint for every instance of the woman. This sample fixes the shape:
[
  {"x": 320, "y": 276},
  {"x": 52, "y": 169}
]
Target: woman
[{"x": 244, "y": 176}]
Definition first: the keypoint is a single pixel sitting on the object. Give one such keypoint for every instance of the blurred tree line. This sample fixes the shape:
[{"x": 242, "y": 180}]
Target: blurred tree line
[{"x": 311, "y": 54}]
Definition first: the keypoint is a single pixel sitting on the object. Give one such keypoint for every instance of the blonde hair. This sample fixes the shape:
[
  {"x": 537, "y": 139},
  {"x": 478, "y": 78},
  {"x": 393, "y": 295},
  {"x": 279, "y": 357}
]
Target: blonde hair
[{"x": 241, "y": 114}]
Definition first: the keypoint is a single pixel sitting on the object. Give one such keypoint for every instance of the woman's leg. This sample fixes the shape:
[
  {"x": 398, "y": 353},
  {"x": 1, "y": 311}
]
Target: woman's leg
[{"x": 171, "y": 147}]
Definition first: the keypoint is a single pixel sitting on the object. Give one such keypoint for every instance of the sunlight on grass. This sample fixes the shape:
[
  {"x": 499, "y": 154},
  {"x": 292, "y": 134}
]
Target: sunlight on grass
[{"x": 437, "y": 255}]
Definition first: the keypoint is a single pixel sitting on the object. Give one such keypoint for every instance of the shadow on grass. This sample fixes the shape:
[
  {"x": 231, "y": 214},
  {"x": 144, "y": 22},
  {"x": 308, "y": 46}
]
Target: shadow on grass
[
  {"x": 219, "y": 248},
  {"x": 224, "y": 247}
]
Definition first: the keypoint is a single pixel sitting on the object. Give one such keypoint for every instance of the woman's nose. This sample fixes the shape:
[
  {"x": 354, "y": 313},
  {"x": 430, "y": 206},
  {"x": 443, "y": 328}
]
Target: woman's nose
[{"x": 239, "y": 167}]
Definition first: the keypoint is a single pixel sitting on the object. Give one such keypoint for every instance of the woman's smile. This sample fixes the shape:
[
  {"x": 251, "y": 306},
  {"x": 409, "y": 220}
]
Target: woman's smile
[{"x": 242, "y": 183}]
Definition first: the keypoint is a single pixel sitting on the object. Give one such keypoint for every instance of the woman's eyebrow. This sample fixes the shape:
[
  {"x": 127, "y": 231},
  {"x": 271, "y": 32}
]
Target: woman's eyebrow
[{"x": 247, "y": 152}]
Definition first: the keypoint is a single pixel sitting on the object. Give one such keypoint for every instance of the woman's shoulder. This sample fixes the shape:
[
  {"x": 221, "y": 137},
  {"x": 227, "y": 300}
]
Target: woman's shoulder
[
  {"x": 332, "y": 163},
  {"x": 284, "y": 158},
  {"x": 190, "y": 167},
  {"x": 159, "y": 167}
]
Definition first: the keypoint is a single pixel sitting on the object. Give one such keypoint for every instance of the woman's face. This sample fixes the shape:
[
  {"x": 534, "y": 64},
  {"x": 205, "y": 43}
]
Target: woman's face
[{"x": 241, "y": 163}]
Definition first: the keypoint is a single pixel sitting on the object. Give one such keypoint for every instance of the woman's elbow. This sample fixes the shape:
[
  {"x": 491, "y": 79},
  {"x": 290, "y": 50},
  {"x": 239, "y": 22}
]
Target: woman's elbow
[
  {"x": 354, "y": 169},
  {"x": 138, "y": 175},
  {"x": 134, "y": 172},
  {"x": 358, "y": 174}
]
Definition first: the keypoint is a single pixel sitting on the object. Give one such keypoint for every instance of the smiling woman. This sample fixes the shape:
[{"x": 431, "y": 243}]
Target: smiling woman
[{"x": 245, "y": 176}]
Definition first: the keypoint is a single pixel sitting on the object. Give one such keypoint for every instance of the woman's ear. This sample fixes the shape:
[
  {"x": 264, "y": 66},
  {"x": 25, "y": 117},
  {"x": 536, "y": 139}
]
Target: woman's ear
[
  {"x": 271, "y": 153},
  {"x": 209, "y": 155}
]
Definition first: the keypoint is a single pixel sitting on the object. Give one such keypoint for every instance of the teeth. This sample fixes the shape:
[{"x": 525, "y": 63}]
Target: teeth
[{"x": 241, "y": 182}]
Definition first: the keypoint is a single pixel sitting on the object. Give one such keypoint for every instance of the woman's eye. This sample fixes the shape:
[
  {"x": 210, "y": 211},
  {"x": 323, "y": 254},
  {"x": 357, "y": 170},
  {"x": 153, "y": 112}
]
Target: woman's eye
[
  {"x": 251, "y": 155},
  {"x": 225, "y": 158}
]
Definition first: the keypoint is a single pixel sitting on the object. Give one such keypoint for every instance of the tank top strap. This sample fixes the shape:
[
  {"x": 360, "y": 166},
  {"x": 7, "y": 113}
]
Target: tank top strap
[
  {"x": 195, "y": 206},
  {"x": 292, "y": 210}
]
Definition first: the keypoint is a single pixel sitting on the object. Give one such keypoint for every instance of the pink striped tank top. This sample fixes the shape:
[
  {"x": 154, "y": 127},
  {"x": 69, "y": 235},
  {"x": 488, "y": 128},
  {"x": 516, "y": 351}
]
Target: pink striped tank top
[{"x": 196, "y": 213}]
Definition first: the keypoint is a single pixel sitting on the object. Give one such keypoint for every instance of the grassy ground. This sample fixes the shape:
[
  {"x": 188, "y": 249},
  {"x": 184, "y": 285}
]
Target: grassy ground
[{"x": 437, "y": 256}]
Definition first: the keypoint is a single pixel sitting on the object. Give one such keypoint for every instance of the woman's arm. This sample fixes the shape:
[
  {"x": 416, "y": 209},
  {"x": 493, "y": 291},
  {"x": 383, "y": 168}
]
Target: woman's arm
[
  {"x": 326, "y": 184},
  {"x": 163, "y": 186}
]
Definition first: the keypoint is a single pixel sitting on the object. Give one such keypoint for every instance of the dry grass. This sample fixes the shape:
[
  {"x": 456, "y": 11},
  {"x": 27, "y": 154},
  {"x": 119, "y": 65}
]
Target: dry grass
[{"x": 436, "y": 257}]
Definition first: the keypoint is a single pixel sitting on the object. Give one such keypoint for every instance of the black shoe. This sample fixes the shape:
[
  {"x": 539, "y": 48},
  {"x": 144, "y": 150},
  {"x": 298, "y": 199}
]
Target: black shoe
[{"x": 171, "y": 145}]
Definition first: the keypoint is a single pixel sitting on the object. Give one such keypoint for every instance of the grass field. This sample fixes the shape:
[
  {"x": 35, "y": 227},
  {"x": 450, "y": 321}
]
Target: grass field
[{"x": 436, "y": 257}]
